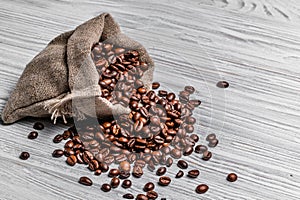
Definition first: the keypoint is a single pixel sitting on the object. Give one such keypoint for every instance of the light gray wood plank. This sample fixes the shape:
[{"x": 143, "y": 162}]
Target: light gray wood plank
[{"x": 253, "y": 44}]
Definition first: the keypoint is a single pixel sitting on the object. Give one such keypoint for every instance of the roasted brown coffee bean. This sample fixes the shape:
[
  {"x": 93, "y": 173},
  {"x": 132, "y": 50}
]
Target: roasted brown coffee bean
[
  {"x": 189, "y": 128},
  {"x": 162, "y": 93},
  {"x": 69, "y": 144},
  {"x": 137, "y": 171},
  {"x": 58, "y": 138},
  {"x": 126, "y": 184},
  {"x": 149, "y": 186},
  {"x": 104, "y": 167},
  {"x": 58, "y": 153},
  {"x": 68, "y": 152},
  {"x": 32, "y": 135},
  {"x": 128, "y": 196},
  {"x": 109, "y": 159},
  {"x": 124, "y": 175},
  {"x": 141, "y": 197},
  {"x": 188, "y": 151},
  {"x": 189, "y": 89},
  {"x": 169, "y": 162},
  {"x": 232, "y": 177},
  {"x": 195, "y": 103},
  {"x": 182, "y": 164},
  {"x": 67, "y": 134},
  {"x": 179, "y": 174},
  {"x": 151, "y": 166},
  {"x": 161, "y": 171},
  {"x": 115, "y": 182},
  {"x": 210, "y": 137},
  {"x": 194, "y": 137},
  {"x": 175, "y": 153},
  {"x": 140, "y": 163},
  {"x": 223, "y": 84},
  {"x": 201, "y": 189},
  {"x": 200, "y": 149},
  {"x": 98, "y": 172},
  {"x": 193, "y": 173},
  {"x": 124, "y": 166},
  {"x": 119, "y": 50},
  {"x": 106, "y": 187},
  {"x": 155, "y": 85},
  {"x": 71, "y": 160},
  {"x": 93, "y": 165},
  {"x": 213, "y": 143},
  {"x": 152, "y": 195},
  {"x": 207, "y": 155},
  {"x": 164, "y": 181},
  {"x": 38, "y": 126},
  {"x": 114, "y": 173},
  {"x": 24, "y": 156},
  {"x": 171, "y": 96},
  {"x": 85, "y": 181},
  {"x": 131, "y": 158}
]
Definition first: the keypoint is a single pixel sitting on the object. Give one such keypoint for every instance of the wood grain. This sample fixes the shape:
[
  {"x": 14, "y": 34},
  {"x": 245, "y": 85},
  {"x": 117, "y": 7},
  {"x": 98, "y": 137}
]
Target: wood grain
[{"x": 253, "y": 44}]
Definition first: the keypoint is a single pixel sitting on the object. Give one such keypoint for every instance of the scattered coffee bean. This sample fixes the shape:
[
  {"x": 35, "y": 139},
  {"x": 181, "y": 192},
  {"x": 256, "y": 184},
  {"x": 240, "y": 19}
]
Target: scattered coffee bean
[
  {"x": 71, "y": 160},
  {"x": 104, "y": 167},
  {"x": 126, "y": 184},
  {"x": 161, "y": 171},
  {"x": 169, "y": 162},
  {"x": 232, "y": 177},
  {"x": 152, "y": 195},
  {"x": 223, "y": 84},
  {"x": 201, "y": 189},
  {"x": 128, "y": 196},
  {"x": 98, "y": 172},
  {"x": 38, "y": 126},
  {"x": 193, "y": 173},
  {"x": 200, "y": 149},
  {"x": 194, "y": 137},
  {"x": 114, "y": 173},
  {"x": 137, "y": 171},
  {"x": 213, "y": 143},
  {"x": 24, "y": 156},
  {"x": 58, "y": 153},
  {"x": 124, "y": 166},
  {"x": 207, "y": 155},
  {"x": 182, "y": 164},
  {"x": 85, "y": 181},
  {"x": 58, "y": 138},
  {"x": 164, "y": 181},
  {"x": 176, "y": 153},
  {"x": 149, "y": 186},
  {"x": 124, "y": 175},
  {"x": 179, "y": 174},
  {"x": 106, "y": 187},
  {"x": 210, "y": 137},
  {"x": 141, "y": 197},
  {"x": 115, "y": 182},
  {"x": 189, "y": 89},
  {"x": 155, "y": 85},
  {"x": 67, "y": 134},
  {"x": 33, "y": 135}
]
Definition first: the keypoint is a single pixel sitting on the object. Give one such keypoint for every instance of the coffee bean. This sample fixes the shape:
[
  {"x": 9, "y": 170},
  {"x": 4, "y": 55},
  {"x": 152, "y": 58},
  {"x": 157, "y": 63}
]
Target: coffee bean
[
  {"x": 213, "y": 143},
  {"x": 32, "y": 135},
  {"x": 201, "y": 189},
  {"x": 149, "y": 186},
  {"x": 128, "y": 196},
  {"x": 164, "y": 181},
  {"x": 152, "y": 195},
  {"x": 161, "y": 171},
  {"x": 98, "y": 172},
  {"x": 115, "y": 182},
  {"x": 155, "y": 85},
  {"x": 58, "y": 153},
  {"x": 162, "y": 93},
  {"x": 124, "y": 166},
  {"x": 126, "y": 184},
  {"x": 67, "y": 134},
  {"x": 210, "y": 137},
  {"x": 182, "y": 164},
  {"x": 137, "y": 171},
  {"x": 58, "y": 138},
  {"x": 189, "y": 89},
  {"x": 194, "y": 137},
  {"x": 106, "y": 187},
  {"x": 207, "y": 155},
  {"x": 223, "y": 84},
  {"x": 124, "y": 175},
  {"x": 200, "y": 149},
  {"x": 189, "y": 128},
  {"x": 114, "y": 173},
  {"x": 232, "y": 177},
  {"x": 179, "y": 174},
  {"x": 24, "y": 156},
  {"x": 71, "y": 160},
  {"x": 171, "y": 96},
  {"x": 141, "y": 197},
  {"x": 38, "y": 126},
  {"x": 175, "y": 153},
  {"x": 193, "y": 173},
  {"x": 69, "y": 144},
  {"x": 195, "y": 103},
  {"x": 188, "y": 151},
  {"x": 169, "y": 162},
  {"x": 85, "y": 181}
]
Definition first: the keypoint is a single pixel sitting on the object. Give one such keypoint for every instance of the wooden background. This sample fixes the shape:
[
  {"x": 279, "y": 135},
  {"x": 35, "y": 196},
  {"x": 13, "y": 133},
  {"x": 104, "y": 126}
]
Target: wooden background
[{"x": 253, "y": 44}]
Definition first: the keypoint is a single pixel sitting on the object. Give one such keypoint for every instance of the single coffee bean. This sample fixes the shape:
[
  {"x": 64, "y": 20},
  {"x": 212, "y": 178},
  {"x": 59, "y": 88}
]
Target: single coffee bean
[
  {"x": 232, "y": 177},
  {"x": 67, "y": 134},
  {"x": 223, "y": 84},
  {"x": 128, "y": 196},
  {"x": 58, "y": 138},
  {"x": 33, "y": 135},
  {"x": 164, "y": 181},
  {"x": 126, "y": 184},
  {"x": 85, "y": 181},
  {"x": 189, "y": 89},
  {"x": 71, "y": 160},
  {"x": 124, "y": 175},
  {"x": 213, "y": 143},
  {"x": 169, "y": 162},
  {"x": 124, "y": 166},
  {"x": 152, "y": 195},
  {"x": 162, "y": 93},
  {"x": 58, "y": 153},
  {"x": 104, "y": 167},
  {"x": 38, "y": 126},
  {"x": 195, "y": 103},
  {"x": 193, "y": 173},
  {"x": 69, "y": 144},
  {"x": 155, "y": 85},
  {"x": 207, "y": 155},
  {"x": 141, "y": 197},
  {"x": 201, "y": 189},
  {"x": 98, "y": 172},
  {"x": 188, "y": 151},
  {"x": 115, "y": 182},
  {"x": 149, "y": 186},
  {"x": 161, "y": 171},
  {"x": 114, "y": 173},
  {"x": 176, "y": 153},
  {"x": 106, "y": 187},
  {"x": 194, "y": 137},
  {"x": 179, "y": 174},
  {"x": 24, "y": 156},
  {"x": 137, "y": 171},
  {"x": 200, "y": 149},
  {"x": 182, "y": 164},
  {"x": 210, "y": 137}
]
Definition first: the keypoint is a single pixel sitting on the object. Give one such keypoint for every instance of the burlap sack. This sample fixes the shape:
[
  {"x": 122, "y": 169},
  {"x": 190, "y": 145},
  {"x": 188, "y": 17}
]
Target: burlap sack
[{"x": 52, "y": 80}]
